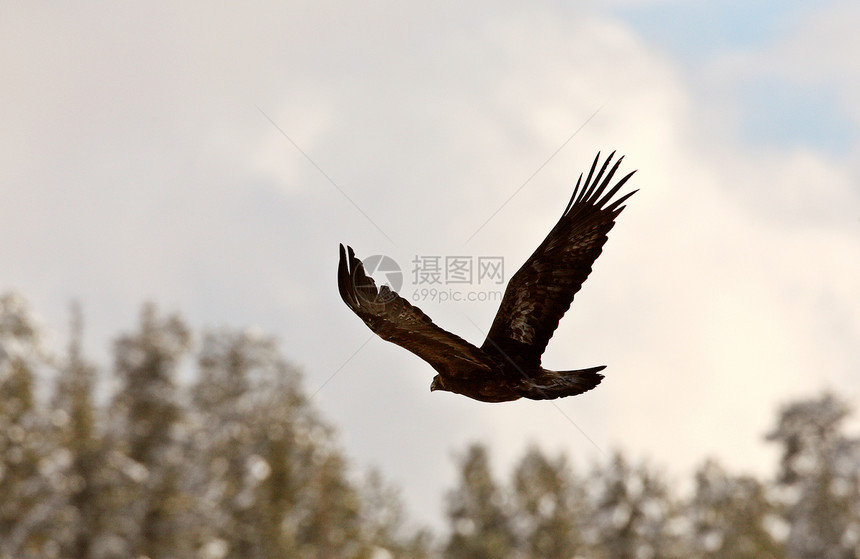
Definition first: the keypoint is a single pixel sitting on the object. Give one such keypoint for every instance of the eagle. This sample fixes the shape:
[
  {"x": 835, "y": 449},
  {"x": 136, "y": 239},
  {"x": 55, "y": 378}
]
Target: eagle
[{"x": 507, "y": 366}]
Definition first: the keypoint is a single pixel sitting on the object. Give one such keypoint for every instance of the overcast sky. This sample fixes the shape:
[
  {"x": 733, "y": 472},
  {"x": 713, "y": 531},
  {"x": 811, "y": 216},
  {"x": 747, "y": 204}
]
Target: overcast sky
[{"x": 210, "y": 157}]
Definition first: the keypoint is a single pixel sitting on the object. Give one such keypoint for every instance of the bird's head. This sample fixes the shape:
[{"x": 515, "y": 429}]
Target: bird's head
[{"x": 438, "y": 384}]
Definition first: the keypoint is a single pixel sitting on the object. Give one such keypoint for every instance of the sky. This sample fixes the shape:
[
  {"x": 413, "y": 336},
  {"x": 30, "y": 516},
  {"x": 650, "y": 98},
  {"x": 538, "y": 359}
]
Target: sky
[{"x": 210, "y": 157}]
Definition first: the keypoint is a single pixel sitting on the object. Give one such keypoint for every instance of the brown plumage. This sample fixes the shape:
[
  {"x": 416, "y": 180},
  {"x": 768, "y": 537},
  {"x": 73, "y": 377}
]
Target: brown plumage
[{"x": 507, "y": 366}]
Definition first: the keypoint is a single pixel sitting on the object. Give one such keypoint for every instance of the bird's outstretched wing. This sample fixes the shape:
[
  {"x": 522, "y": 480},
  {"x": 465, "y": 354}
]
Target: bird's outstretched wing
[
  {"x": 394, "y": 319},
  {"x": 541, "y": 291}
]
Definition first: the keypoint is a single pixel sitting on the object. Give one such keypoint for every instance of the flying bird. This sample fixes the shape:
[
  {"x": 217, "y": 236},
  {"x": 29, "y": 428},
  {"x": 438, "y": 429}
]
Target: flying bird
[{"x": 508, "y": 364}]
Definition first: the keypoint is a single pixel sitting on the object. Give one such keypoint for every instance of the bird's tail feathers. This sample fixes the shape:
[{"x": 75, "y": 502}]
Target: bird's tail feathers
[{"x": 558, "y": 384}]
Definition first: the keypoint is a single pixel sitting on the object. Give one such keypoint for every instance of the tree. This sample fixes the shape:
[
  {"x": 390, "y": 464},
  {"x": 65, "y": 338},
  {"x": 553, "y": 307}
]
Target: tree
[
  {"x": 276, "y": 486},
  {"x": 246, "y": 486},
  {"x": 147, "y": 451},
  {"x": 480, "y": 527},
  {"x": 728, "y": 516},
  {"x": 74, "y": 417},
  {"x": 548, "y": 507},
  {"x": 238, "y": 466},
  {"x": 385, "y": 524},
  {"x": 819, "y": 476},
  {"x": 634, "y": 515},
  {"x": 26, "y": 498}
]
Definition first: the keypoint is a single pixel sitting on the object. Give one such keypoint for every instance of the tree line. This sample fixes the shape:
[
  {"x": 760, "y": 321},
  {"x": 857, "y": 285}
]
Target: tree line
[{"x": 237, "y": 463}]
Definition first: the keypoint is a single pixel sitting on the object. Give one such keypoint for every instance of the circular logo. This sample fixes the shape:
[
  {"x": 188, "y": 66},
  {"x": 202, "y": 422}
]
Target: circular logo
[{"x": 388, "y": 272}]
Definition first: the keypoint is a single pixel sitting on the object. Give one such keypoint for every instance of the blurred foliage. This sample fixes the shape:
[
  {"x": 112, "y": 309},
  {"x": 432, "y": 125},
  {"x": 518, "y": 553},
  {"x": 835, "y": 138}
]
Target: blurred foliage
[
  {"x": 237, "y": 463},
  {"x": 624, "y": 510},
  {"x": 730, "y": 515},
  {"x": 819, "y": 479},
  {"x": 480, "y": 523}
]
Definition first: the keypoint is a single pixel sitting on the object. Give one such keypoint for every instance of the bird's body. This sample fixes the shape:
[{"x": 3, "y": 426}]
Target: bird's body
[{"x": 507, "y": 365}]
